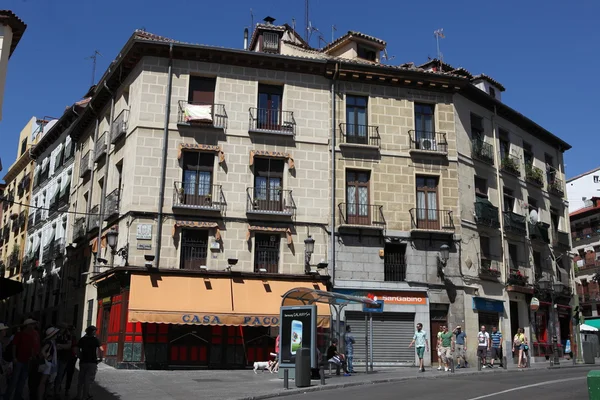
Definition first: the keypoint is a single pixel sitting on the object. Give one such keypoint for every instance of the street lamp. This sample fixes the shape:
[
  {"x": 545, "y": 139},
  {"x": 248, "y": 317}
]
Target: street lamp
[
  {"x": 444, "y": 253},
  {"x": 111, "y": 238},
  {"x": 553, "y": 287},
  {"x": 309, "y": 248}
]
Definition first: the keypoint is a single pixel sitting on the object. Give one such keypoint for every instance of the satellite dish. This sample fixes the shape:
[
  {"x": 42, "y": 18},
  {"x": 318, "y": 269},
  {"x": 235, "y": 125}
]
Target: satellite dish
[{"x": 533, "y": 216}]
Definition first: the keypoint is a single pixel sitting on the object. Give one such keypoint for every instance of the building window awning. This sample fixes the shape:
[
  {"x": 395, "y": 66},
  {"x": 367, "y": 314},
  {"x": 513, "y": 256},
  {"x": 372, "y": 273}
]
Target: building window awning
[
  {"x": 490, "y": 305},
  {"x": 272, "y": 154},
  {"x": 197, "y": 225},
  {"x": 201, "y": 147},
  {"x": 594, "y": 323},
  {"x": 255, "y": 228},
  {"x": 94, "y": 243},
  {"x": 213, "y": 300}
]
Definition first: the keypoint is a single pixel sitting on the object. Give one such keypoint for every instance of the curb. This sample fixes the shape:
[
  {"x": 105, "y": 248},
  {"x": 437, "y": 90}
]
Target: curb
[{"x": 319, "y": 388}]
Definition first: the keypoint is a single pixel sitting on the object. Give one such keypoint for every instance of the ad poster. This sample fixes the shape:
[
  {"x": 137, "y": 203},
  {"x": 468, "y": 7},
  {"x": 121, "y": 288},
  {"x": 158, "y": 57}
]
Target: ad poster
[{"x": 298, "y": 330}]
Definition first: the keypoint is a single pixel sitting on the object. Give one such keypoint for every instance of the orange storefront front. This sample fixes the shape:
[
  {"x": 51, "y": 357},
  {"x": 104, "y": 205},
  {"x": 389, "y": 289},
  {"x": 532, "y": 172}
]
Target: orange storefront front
[{"x": 209, "y": 320}]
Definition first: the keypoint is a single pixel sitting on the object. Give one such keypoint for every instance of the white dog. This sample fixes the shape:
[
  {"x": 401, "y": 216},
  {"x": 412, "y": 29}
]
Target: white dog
[{"x": 262, "y": 365}]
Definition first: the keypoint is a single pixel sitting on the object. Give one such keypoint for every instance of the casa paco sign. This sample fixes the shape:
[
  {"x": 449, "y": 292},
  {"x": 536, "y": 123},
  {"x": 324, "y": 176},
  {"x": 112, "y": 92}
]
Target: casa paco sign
[{"x": 245, "y": 320}]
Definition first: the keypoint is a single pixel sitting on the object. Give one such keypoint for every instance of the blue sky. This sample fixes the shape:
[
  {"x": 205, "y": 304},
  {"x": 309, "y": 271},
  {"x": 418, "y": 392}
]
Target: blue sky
[{"x": 543, "y": 52}]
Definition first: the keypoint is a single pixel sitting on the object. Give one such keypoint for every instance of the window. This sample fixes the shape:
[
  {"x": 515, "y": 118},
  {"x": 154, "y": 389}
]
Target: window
[
  {"x": 509, "y": 199},
  {"x": 357, "y": 197},
  {"x": 537, "y": 264},
  {"x": 367, "y": 53},
  {"x": 513, "y": 255},
  {"x": 532, "y": 205},
  {"x": 90, "y": 312},
  {"x": 201, "y": 90},
  {"x": 504, "y": 144},
  {"x": 356, "y": 118},
  {"x": 197, "y": 178},
  {"x": 424, "y": 124},
  {"x": 268, "y": 184},
  {"x": 554, "y": 219},
  {"x": 266, "y": 253},
  {"x": 194, "y": 248},
  {"x": 270, "y": 42},
  {"x": 596, "y": 179},
  {"x": 394, "y": 263},
  {"x": 23, "y": 147},
  {"x": 270, "y": 99},
  {"x": 492, "y": 92},
  {"x": 427, "y": 199},
  {"x": 484, "y": 247},
  {"x": 481, "y": 189},
  {"x": 476, "y": 127},
  {"x": 527, "y": 153}
]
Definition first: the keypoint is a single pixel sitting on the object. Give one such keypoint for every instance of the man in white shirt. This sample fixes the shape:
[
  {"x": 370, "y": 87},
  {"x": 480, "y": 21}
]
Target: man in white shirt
[{"x": 483, "y": 340}]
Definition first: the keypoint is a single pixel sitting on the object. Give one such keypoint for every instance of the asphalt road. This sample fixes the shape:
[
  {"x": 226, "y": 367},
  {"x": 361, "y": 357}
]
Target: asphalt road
[{"x": 559, "y": 384}]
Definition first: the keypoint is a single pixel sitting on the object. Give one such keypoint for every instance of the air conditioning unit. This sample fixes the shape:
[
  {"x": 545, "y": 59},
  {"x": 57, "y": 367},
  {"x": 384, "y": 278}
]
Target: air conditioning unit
[{"x": 426, "y": 144}]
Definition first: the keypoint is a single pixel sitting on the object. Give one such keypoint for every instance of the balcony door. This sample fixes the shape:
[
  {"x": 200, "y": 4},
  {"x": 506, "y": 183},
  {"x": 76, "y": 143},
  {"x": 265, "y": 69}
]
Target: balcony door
[
  {"x": 268, "y": 183},
  {"x": 197, "y": 178},
  {"x": 202, "y": 90},
  {"x": 357, "y": 197},
  {"x": 194, "y": 248},
  {"x": 427, "y": 203},
  {"x": 356, "y": 120},
  {"x": 270, "y": 100},
  {"x": 424, "y": 127}
]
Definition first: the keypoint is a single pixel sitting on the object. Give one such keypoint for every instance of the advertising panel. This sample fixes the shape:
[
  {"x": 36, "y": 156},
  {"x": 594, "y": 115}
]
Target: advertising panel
[{"x": 298, "y": 330}]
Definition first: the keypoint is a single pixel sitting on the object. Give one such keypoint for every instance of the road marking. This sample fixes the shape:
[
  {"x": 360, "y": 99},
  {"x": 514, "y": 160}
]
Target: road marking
[{"x": 485, "y": 396}]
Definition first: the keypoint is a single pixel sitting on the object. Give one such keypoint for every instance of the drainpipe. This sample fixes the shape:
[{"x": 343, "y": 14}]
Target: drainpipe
[
  {"x": 163, "y": 168},
  {"x": 106, "y": 161},
  {"x": 333, "y": 125},
  {"x": 88, "y": 206}
]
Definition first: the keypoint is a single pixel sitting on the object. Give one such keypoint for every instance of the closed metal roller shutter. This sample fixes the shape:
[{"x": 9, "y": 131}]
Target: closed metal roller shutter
[{"x": 392, "y": 333}]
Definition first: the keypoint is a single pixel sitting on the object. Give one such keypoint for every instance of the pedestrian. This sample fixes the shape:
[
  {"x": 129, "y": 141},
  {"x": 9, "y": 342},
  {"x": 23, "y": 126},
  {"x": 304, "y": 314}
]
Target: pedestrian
[
  {"x": 421, "y": 345},
  {"x": 274, "y": 367},
  {"x": 460, "y": 339},
  {"x": 90, "y": 353},
  {"x": 334, "y": 357},
  {"x": 483, "y": 340},
  {"x": 496, "y": 339},
  {"x": 447, "y": 347},
  {"x": 72, "y": 360},
  {"x": 439, "y": 347},
  {"x": 48, "y": 362},
  {"x": 349, "y": 342},
  {"x": 64, "y": 350},
  {"x": 25, "y": 361},
  {"x": 5, "y": 366},
  {"x": 519, "y": 344}
]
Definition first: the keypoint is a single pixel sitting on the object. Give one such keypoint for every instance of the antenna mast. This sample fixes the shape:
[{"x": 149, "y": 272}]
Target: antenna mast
[
  {"x": 251, "y": 22},
  {"x": 94, "y": 58},
  {"x": 333, "y": 29},
  {"x": 439, "y": 34},
  {"x": 307, "y": 27}
]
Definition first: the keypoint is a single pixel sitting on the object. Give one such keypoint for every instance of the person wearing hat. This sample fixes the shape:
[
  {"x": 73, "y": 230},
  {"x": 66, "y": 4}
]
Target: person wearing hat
[
  {"x": 89, "y": 356},
  {"x": 49, "y": 356},
  {"x": 63, "y": 350},
  {"x": 4, "y": 366},
  {"x": 26, "y": 350}
]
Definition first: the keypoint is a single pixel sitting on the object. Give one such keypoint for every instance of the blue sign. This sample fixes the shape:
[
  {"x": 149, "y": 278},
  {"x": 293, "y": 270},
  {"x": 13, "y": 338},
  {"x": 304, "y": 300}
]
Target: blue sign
[
  {"x": 483, "y": 304},
  {"x": 374, "y": 308}
]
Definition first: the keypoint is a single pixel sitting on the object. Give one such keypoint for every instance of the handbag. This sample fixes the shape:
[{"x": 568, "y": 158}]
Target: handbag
[{"x": 525, "y": 347}]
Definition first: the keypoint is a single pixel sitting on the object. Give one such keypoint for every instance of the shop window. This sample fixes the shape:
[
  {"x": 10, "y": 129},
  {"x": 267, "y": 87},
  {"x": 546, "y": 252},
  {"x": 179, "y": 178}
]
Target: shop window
[
  {"x": 156, "y": 342},
  {"x": 489, "y": 320}
]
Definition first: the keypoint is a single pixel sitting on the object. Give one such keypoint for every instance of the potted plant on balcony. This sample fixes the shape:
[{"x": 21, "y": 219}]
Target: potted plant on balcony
[
  {"x": 180, "y": 193},
  {"x": 535, "y": 174},
  {"x": 517, "y": 278},
  {"x": 509, "y": 164},
  {"x": 208, "y": 199}
]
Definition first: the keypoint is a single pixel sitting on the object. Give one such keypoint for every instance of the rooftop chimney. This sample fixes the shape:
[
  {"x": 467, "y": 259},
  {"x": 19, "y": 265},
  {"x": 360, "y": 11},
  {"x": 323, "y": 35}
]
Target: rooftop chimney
[
  {"x": 269, "y": 20},
  {"x": 246, "y": 39}
]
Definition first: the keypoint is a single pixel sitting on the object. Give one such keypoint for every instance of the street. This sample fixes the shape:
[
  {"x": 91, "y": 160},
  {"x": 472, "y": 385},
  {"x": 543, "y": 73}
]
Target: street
[{"x": 556, "y": 384}]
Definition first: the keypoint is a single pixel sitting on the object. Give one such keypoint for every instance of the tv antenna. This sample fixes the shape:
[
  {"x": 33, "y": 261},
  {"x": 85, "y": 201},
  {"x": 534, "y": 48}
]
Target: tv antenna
[
  {"x": 306, "y": 22},
  {"x": 94, "y": 58},
  {"x": 333, "y": 29},
  {"x": 439, "y": 34},
  {"x": 251, "y": 22}
]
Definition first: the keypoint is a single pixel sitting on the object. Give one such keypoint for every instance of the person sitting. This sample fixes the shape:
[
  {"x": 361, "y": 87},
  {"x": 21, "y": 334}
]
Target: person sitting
[{"x": 334, "y": 357}]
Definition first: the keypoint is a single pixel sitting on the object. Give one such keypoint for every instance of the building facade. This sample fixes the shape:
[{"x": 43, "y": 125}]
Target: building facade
[{"x": 581, "y": 189}]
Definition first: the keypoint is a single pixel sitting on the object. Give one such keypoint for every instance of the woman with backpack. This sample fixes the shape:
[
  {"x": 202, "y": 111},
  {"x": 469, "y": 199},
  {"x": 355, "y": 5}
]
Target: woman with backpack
[{"x": 520, "y": 345}]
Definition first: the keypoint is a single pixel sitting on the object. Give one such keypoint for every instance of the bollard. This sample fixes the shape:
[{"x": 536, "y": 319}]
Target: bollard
[
  {"x": 478, "y": 364},
  {"x": 504, "y": 363},
  {"x": 286, "y": 382},
  {"x": 452, "y": 365},
  {"x": 322, "y": 374}
]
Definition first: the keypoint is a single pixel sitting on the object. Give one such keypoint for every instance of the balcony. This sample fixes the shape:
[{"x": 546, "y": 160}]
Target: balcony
[
  {"x": 488, "y": 271},
  {"x": 79, "y": 229},
  {"x": 423, "y": 219},
  {"x": 85, "y": 166},
  {"x": 368, "y": 216},
  {"x": 560, "y": 239},
  {"x": 539, "y": 232},
  {"x": 273, "y": 121},
  {"x": 534, "y": 175},
  {"x": 193, "y": 254},
  {"x": 29, "y": 263},
  {"x": 428, "y": 142},
  {"x": 360, "y": 136},
  {"x": 48, "y": 252},
  {"x": 31, "y": 220},
  {"x": 518, "y": 282},
  {"x": 271, "y": 201},
  {"x": 58, "y": 247},
  {"x": 486, "y": 214},
  {"x": 53, "y": 206},
  {"x": 118, "y": 128},
  {"x": 94, "y": 218},
  {"x": 586, "y": 235},
  {"x": 63, "y": 201},
  {"x": 482, "y": 151},
  {"x": 100, "y": 147},
  {"x": 21, "y": 220},
  {"x": 191, "y": 195},
  {"x": 556, "y": 187},
  {"x": 44, "y": 175},
  {"x": 202, "y": 114},
  {"x": 6, "y": 233},
  {"x": 111, "y": 204},
  {"x": 511, "y": 164},
  {"x": 514, "y": 224},
  {"x": 69, "y": 152}
]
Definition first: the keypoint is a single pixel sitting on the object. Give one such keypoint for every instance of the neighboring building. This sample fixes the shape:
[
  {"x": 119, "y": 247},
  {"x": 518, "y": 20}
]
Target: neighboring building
[
  {"x": 581, "y": 189},
  {"x": 585, "y": 228},
  {"x": 53, "y": 287},
  {"x": 15, "y": 215}
]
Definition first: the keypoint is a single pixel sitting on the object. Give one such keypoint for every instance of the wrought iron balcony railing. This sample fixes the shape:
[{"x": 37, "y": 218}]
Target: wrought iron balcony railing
[
  {"x": 193, "y": 254},
  {"x": 429, "y": 219},
  {"x": 267, "y": 120},
  {"x": 94, "y": 218},
  {"x": 365, "y": 135},
  {"x": 196, "y": 196},
  {"x": 48, "y": 252},
  {"x": 483, "y": 151},
  {"x": 514, "y": 223},
  {"x": 488, "y": 270},
  {"x": 556, "y": 186},
  {"x": 79, "y": 229},
  {"x": 119, "y": 126},
  {"x": 111, "y": 204},
  {"x": 31, "y": 220},
  {"x": 428, "y": 141},
  {"x": 58, "y": 247},
  {"x": 100, "y": 146},
  {"x": 561, "y": 239},
  {"x": 202, "y": 114},
  {"x": 534, "y": 175},
  {"x": 486, "y": 213},
  {"x": 367, "y": 215},
  {"x": 511, "y": 164},
  {"x": 539, "y": 232},
  {"x": 85, "y": 165},
  {"x": 517, "y": 278},
  {"x": 273, "y": 200}
]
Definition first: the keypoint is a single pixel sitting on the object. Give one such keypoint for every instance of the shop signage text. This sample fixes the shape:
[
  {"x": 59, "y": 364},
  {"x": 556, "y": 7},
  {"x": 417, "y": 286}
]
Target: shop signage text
[
  {"x": 389, "y": 297},
  {"x": 246, "y": 320}
]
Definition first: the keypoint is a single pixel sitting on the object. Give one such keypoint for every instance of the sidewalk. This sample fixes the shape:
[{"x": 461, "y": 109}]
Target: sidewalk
[{"x": 115, "y": 384}]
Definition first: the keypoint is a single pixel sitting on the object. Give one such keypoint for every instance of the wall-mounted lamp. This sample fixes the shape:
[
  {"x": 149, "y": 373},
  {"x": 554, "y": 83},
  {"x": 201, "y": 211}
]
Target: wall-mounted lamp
[
  {"x": 111, "y": 239},
  {"x": 309, "y": 249},
  {"x": 443, "y": 257}
]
